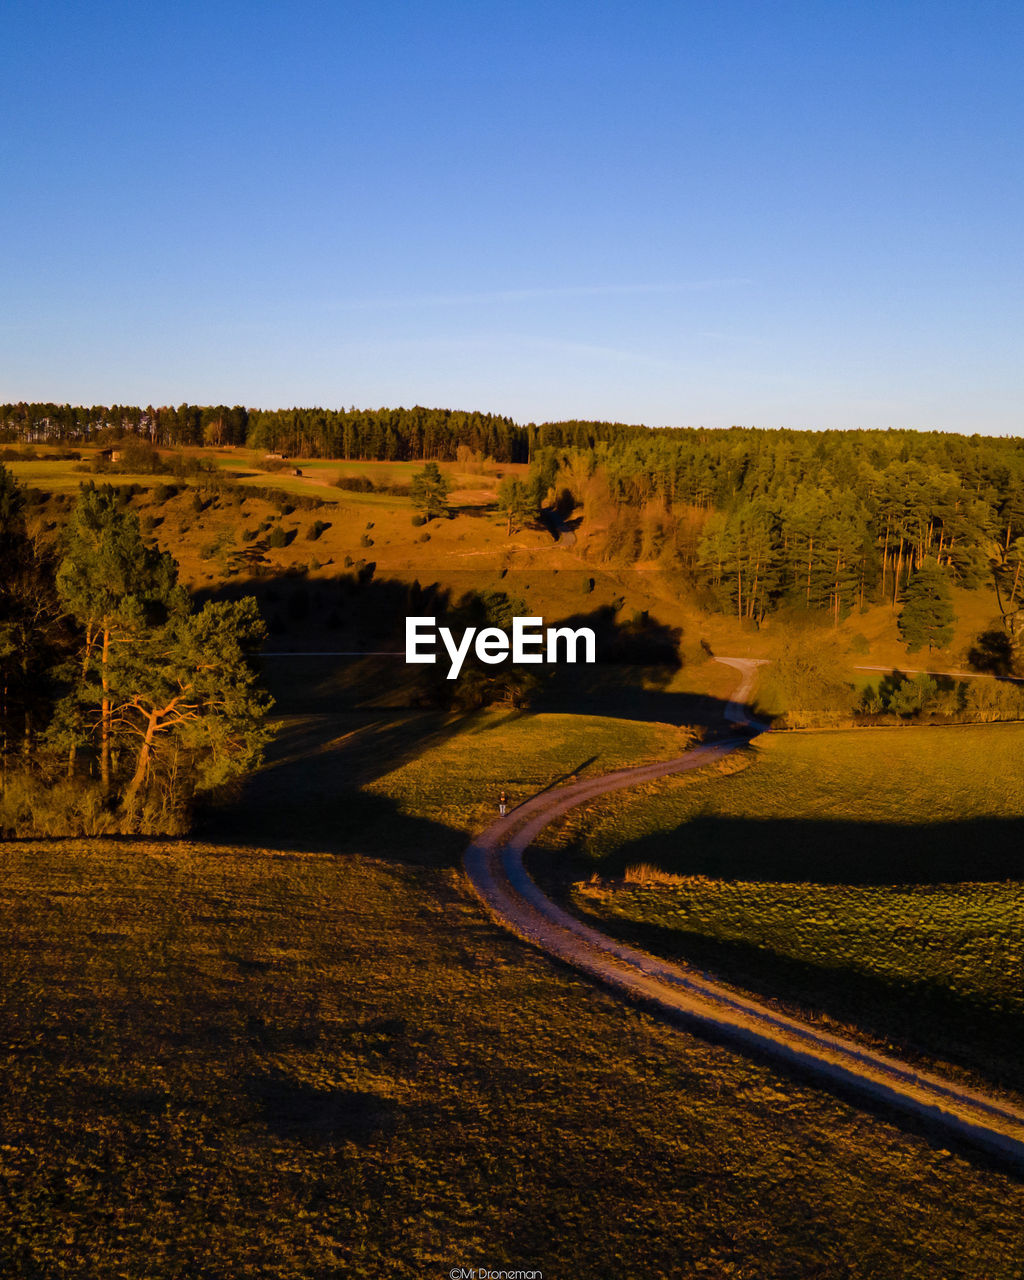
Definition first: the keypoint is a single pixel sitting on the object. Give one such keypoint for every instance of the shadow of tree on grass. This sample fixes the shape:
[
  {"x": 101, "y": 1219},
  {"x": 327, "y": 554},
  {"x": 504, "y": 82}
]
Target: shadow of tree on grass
[
  {"x": 833, "y": 851},
  {"x": 922, "y": 1017},
  {"x": 301, "y": 1112}
]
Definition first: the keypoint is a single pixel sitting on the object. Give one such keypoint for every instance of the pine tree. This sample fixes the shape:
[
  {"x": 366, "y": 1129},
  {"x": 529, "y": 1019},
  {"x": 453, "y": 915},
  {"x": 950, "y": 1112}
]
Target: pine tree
[
  {"x": 164, "y": 695},
  {"x": 516, "y": 502},
  {"x": 927, "y": 616},
  {"x": 116, "y": 587},
  {"x": 189, "y": 693},
  {"x": 429, "y": 491}
]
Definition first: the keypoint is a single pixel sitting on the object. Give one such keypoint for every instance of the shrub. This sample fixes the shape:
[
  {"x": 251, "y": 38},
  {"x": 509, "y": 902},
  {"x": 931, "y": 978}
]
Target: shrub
[
  {"x": 316, "y": 529},
  {"x": 278, "y": 537},
  {"x": 34, "y": 806},
  {"x": 366, "y": 540},
  {"x": 139, "y": 455},
  {"x": 418, "y": 520},
  {"x": 989, "y": 699},
  {"x": 809, "y": 676},
  {"x": 161, "y": 492}
]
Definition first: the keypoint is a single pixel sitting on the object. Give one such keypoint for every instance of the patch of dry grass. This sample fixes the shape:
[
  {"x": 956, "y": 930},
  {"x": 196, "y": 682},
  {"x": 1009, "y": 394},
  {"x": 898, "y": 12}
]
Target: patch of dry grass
[{"x": 248, "y": 1063}]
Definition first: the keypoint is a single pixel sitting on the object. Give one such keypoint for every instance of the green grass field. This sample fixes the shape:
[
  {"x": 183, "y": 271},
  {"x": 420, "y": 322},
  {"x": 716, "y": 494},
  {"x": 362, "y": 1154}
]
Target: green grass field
[
  {"x": 415, "y": 785},
  {"x": 872, "y": 879},
  {"x": 457, "y": 783},
  {"x": 61, "y": 477},
  {"x": 319, "y": 474},
  {"x": 249, "y": 1063},
  {"x": 888, "y": 778}
]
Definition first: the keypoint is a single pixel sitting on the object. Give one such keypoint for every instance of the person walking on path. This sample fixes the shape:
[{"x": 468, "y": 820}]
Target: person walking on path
[{"x": 502, "y": 804}]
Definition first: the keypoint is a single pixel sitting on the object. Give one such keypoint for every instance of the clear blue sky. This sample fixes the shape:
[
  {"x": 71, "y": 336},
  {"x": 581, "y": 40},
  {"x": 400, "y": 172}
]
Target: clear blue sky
[{"x": 799, "y": 214}]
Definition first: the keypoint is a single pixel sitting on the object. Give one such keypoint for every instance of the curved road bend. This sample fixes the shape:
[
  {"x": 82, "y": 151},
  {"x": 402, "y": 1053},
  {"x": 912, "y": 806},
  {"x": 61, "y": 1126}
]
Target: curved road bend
[{"x": 494, "y": 864}]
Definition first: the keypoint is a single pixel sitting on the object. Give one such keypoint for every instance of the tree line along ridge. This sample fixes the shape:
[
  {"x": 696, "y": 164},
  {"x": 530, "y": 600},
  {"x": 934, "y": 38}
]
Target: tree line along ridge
[{"x": 753, "y": 520}]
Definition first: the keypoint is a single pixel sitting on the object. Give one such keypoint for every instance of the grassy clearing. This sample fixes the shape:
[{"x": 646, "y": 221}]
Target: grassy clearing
[
  {"x": 280, "y": 480},
  {"x": 457, "y": 783},
  {"x": 60, "y": 476},
  {"x": 904, "y": 778},
  {"x": 415, "y": 785},
  {"x": 872, "y": 879},
  {"x": 251, "y": 1063},
  {"x": 318, "y": 476}
]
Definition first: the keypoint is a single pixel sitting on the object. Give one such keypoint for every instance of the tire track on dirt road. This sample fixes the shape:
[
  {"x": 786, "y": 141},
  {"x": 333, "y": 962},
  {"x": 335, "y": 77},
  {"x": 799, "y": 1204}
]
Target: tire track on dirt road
[{"x": 494, "y": 865}]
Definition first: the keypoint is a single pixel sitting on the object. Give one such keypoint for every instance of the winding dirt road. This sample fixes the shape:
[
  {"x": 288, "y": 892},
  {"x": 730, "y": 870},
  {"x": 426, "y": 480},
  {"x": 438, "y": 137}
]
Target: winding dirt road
[{"x": 494, "y": 865}]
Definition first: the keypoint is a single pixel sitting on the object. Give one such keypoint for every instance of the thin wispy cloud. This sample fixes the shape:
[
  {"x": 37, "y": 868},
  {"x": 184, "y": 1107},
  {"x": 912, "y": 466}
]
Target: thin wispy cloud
[
  {"x": 534, "y": 294},
  {"x": 506, "y": 344}
]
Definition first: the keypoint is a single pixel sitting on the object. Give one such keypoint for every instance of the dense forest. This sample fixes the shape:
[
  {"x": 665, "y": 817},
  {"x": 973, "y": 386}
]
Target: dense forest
[
  {"x": 385, "y": 435},
  {"x": 821, "y": 521}
]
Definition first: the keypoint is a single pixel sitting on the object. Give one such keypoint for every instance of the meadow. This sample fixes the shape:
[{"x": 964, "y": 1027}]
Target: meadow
[
  {"x": 457, "y": 782},
  {"x": 263, "y": 1063},
  {"x": 66, "y": 476},
  {"x": 870, "y": 879}
]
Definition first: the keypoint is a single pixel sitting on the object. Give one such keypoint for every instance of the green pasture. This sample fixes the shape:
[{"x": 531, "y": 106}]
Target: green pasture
[
  {"x": 966, "y": 938},
  {"x": 458, "y": 781},
  {"x": 374, "y": 781},
  {"x": 871, "y": 878},
  {"x": 280, "y": 480},
  {"x": 910, "y": 778},
  {"x": 933, "y": 970},
  {"x": 60, "y": 476}
]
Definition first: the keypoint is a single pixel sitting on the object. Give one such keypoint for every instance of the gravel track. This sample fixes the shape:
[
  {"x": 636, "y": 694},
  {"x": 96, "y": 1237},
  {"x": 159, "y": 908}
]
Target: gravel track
[{"x": 494, "y": 865}]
